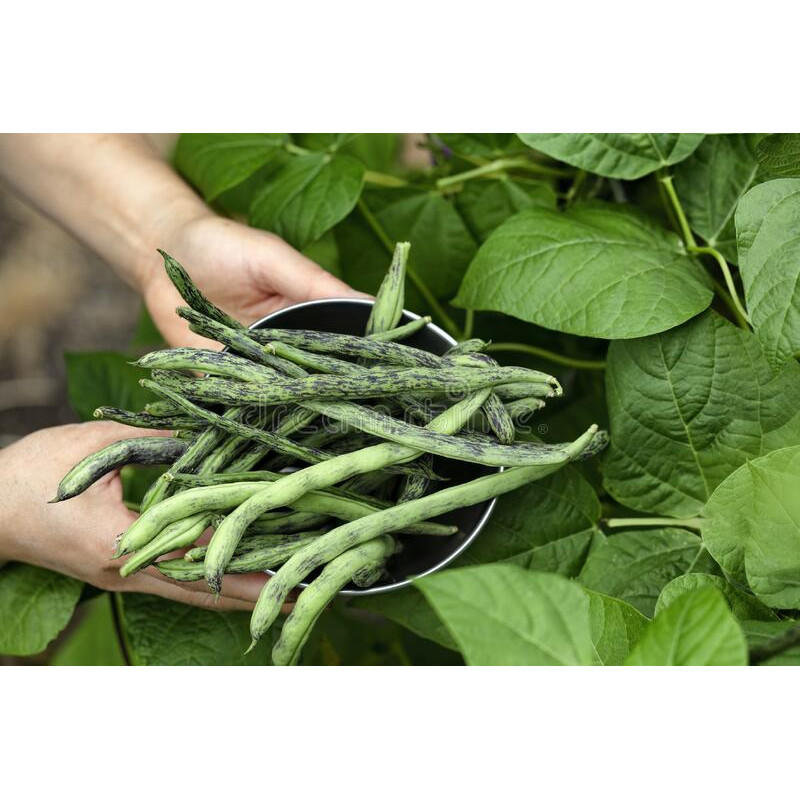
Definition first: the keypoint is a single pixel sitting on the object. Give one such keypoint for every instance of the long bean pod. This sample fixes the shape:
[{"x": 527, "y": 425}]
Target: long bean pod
[
  {"x": 402, "y": 331},
  {"x": 142, "y": 419},
  {"x": 146, "y": 450},
  {"x": 337, "y": 541},
  {"x": 214, "y": 362},
  {"x": 389, "y": 301},
  {"x": 256, "y": 541},
  {"x": 320, "y": 476},
  {"x": 320, "y": 593},
  {"x": 376, "y": 382}
]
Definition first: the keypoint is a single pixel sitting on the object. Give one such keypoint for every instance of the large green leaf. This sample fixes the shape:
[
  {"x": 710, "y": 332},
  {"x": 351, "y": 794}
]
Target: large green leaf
[
  {"x": 636, "y": 565},
  {"x": 410, "y": 609},
  {"x": 753, "y": 528},
  {"x": 104, "y": 379},
  {"x": 94, "y": 642},
  {"x": 689, "y": 406},
  {"x": 485, "y": 205},
  {"x": 441, "y": 244},
  {"x": 35, "y": 606},
  {"x": 308, "y": 196},
  {"x": 711, "y": 182},
  {"x": 615, "y": 155},
  {"x": 163, "y": 633},
  {"x": 698, "y": 629},
  {"x": 767, "y": 224},
  {"x": 616, "y": 627},
  {"x": 546, "y": 526},
  {"x": 501, "y": 614},
  {"x": 743, "y": 605},
  {"x": 595, "y": 270},
  {"x": 216, "y": 162},
  {"x": 779, "y": 154}
]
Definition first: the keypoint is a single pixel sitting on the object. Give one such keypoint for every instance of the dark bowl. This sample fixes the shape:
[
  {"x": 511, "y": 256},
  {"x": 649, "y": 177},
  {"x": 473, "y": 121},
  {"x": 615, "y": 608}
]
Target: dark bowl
[{"x": 421, "y": 555}]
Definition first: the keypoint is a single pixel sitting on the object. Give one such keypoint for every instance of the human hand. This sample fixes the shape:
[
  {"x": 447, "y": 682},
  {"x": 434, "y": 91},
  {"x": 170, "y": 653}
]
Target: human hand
[
  {"x": 246, "y": 272},
  {"x": 77, "y": 537}
]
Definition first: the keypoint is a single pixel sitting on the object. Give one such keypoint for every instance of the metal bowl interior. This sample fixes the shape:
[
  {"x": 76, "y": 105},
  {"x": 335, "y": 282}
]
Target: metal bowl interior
[{"x": 421, "y": 555}]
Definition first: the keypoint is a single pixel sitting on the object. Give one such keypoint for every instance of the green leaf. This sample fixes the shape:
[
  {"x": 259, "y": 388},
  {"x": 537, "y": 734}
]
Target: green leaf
[
  {"x": 500, "y": 614},
  {"x": 216, "y": 162},
  {"x": 324, "y": 141},
  {"x": 711, "y": 182},
  {"x": 94, "y": 642},
  {"x": 104, "y": 379},
  {"x": 689, "y": 406},
  {"x": 378, "y": 151},
  {"x": 35, "y": 606},
  {"x": 698, "y": 629},
  {"x": 767, "y": 220},
  {"x": 410, "y": 609},
  {"x": 481, "y": 145},
  {"x": 485, "y": 205},
  {"x": 546, "y": 526},
  {"x": 779, "y": 154},
  {"x": 761, "y": 634},
  {"x": 615, "y": 155},
  {"x": 164, "y": 633},
  {"x": 636, "y": 565},
  {"x": 595, "y": 270},
  {"x": 308, "y": 196},
  {"x": 616, "y": 628},
  {"x": 441, "y": 244},
  {"x": 743, "y": 605},
  {"x": 753, "y": 528}
]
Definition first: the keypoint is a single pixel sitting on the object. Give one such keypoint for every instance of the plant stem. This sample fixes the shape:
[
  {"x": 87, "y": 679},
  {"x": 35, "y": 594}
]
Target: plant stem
[
  {"x": 499, "y": 165},
  {"x": 518, "y": 347},
  {"x": 422, "y": 287},
  {"x": 738, "y": 308},
  {"x": 691, "y": 245},
  {"x": 683, "y": 223},
  {"x": 469, "y": 323},
  {"x": 694, "y": 523},
  {"x": 778, "y": 645},
  {"x": 383, "y": 179},
  {"x": 295, "y": 150},
  {"x": 116, "y": 616},
  {"x": 580, "y": 177}
]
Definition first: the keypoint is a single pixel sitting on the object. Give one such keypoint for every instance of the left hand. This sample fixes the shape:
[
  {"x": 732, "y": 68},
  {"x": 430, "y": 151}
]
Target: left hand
[{"x": 246, "y": 272}]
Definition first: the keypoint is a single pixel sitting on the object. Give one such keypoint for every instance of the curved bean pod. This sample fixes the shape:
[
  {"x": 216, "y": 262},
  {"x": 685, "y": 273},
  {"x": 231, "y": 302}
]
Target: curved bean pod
[
  {"x": 147, "y": 450},
  {"x": 402, "y": 331},
  {"x": 388, "y": 306},
  {"x": 315, "y": 598},
  {"x": 145, "y": 420},
  {"x": 340, "y": 539}
]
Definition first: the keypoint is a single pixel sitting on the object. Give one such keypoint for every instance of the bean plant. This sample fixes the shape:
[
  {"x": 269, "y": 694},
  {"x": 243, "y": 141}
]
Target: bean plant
[{"x": 654, "y": 275}]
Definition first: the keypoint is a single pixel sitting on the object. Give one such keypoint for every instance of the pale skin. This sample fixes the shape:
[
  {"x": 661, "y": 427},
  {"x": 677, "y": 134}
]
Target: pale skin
[{"x": 116, "y": 194}]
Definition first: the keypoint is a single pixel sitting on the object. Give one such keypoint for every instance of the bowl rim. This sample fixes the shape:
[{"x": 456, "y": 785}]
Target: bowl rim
[{"x": 484, "y": 518}]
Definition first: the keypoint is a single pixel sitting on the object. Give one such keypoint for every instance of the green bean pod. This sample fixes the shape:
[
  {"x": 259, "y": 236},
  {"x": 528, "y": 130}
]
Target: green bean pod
[
  {"x": 144, "y": 420},
  {"x": 319, "y": 476},
  {"x": 344, "y": 344},
  {"x": 415, "y": 486},
  {"x": 256, "y": 542},
  {"x": 373, "y": 383},
  {"x": 146, "y": 450},
  {"x": 213, "y": 362},
  {"x": 316, "y": 597},
  {"x": 518, "y": 410},
  {"x": 467, "y": 346},
  {"x": 341, "y": 539},
  {"x": 491, "y": 454},
  {"x": 402, "y": 331},
  {"x": 499, "y": 419},
  {"x": 192, "y": 295},
  {"x": 162, "y": 408},
  {"x": 388, "y": 306},
  {"x": 181, "y": 533}
]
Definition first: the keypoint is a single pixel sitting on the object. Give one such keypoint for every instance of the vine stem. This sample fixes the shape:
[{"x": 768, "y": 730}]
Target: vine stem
[
  {"x": 422, "y": 287},
  {"x": 499, "y": 165},
  {"x": 694, "y": 523},
  {"x": 529, "y": 349},
  {"x": 116, "y": 616},
  {"x": 469, "y": 323},
  {"x": 370, "y": 176},
  {"x": 691, "y": 245}
]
